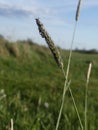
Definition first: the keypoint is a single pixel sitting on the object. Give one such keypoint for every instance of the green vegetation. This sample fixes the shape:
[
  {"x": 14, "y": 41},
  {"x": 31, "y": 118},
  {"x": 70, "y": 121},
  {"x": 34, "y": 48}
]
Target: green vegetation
[{"x": 31, "y": 86}]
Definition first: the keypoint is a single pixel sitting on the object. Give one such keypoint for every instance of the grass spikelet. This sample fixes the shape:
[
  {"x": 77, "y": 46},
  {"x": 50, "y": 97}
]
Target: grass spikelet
[
  {"x": 89, "y": 72},
  {"x": 54, "y": 50},
  {"x": 12, "y": 123},
  {"x": 78, "y": 10}
]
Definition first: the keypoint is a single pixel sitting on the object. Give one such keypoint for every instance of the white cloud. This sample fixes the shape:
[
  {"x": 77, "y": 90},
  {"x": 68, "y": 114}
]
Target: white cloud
[
  {"x": 39, "y": 8},
  {"x": 12, "y": 10}
]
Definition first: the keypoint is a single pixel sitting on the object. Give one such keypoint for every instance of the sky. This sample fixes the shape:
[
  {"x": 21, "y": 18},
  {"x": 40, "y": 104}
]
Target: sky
[{"x": 17, "y": 21}]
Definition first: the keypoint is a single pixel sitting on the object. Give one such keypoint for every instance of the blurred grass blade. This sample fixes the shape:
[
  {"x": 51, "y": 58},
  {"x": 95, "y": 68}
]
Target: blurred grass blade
[{"x": 12, "y": 124}]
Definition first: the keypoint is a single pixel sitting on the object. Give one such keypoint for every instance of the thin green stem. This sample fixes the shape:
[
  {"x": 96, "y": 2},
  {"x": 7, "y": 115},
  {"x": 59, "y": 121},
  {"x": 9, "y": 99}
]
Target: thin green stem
[
  {"x": 67, "y": 73},
  {"x": 70, "y": 55},
  {"x": 66, "y": 86},
  {"x": 86, "y": 102},
  {"x": 86, "y": 95},
  {"x": 76, "y": 108}
]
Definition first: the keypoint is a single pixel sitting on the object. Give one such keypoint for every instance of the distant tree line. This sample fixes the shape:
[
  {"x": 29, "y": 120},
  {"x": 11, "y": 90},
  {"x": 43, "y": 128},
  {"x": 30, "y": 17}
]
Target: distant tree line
[{"x": 90, "y": 51}]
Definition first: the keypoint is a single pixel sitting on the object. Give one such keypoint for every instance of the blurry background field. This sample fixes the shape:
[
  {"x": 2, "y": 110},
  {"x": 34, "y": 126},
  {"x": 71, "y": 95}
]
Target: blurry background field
[{"x": 31, "y": 86}]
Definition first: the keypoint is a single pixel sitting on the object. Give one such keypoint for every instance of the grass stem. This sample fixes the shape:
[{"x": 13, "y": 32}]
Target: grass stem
[
  {"x": 67, "y": 73},
  {"x": 66, "y": 86},
  {"x": 76, "y": 108},
  {"x": 86, "y": 102},
  {"x": 86, "y": 95}
]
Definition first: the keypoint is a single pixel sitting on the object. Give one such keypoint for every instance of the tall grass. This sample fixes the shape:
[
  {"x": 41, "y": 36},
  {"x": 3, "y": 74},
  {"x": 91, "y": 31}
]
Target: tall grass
[
  {"x": 58, "y": 60},
  {"x": 70, "y": 56}
]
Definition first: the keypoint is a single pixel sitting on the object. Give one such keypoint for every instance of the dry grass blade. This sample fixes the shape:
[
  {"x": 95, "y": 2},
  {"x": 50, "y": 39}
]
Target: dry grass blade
[
  {"x": 78, "y": 10},
  {"x": 54, "y": 50}
]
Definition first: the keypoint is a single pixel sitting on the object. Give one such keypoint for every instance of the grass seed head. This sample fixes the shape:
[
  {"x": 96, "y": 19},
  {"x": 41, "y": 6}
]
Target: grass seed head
[
  {"x": 78, "y": 10},
  {"x": 89, "y": 72},
  {"x": 51, "y": 45}
]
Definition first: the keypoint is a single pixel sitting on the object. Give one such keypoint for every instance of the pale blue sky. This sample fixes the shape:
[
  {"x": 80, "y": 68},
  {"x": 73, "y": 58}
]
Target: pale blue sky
[{"x": 17, "y": 20}]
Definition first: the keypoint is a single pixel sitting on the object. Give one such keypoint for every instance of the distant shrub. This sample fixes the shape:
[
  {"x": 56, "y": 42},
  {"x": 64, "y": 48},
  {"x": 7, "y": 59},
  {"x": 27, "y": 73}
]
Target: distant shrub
[
  {"x": 91, "y": 51},
  {"x": 30, "y": 42},
  {"x": 1, "y": 37}
]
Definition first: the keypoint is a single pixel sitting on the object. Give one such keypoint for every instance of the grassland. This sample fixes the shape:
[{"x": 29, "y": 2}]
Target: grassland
[{"x": 31, "y": 86}]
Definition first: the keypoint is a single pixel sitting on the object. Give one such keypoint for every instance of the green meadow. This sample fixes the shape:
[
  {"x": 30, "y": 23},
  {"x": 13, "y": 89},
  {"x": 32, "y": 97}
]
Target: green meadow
[{"x": 31, "y": 86}]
